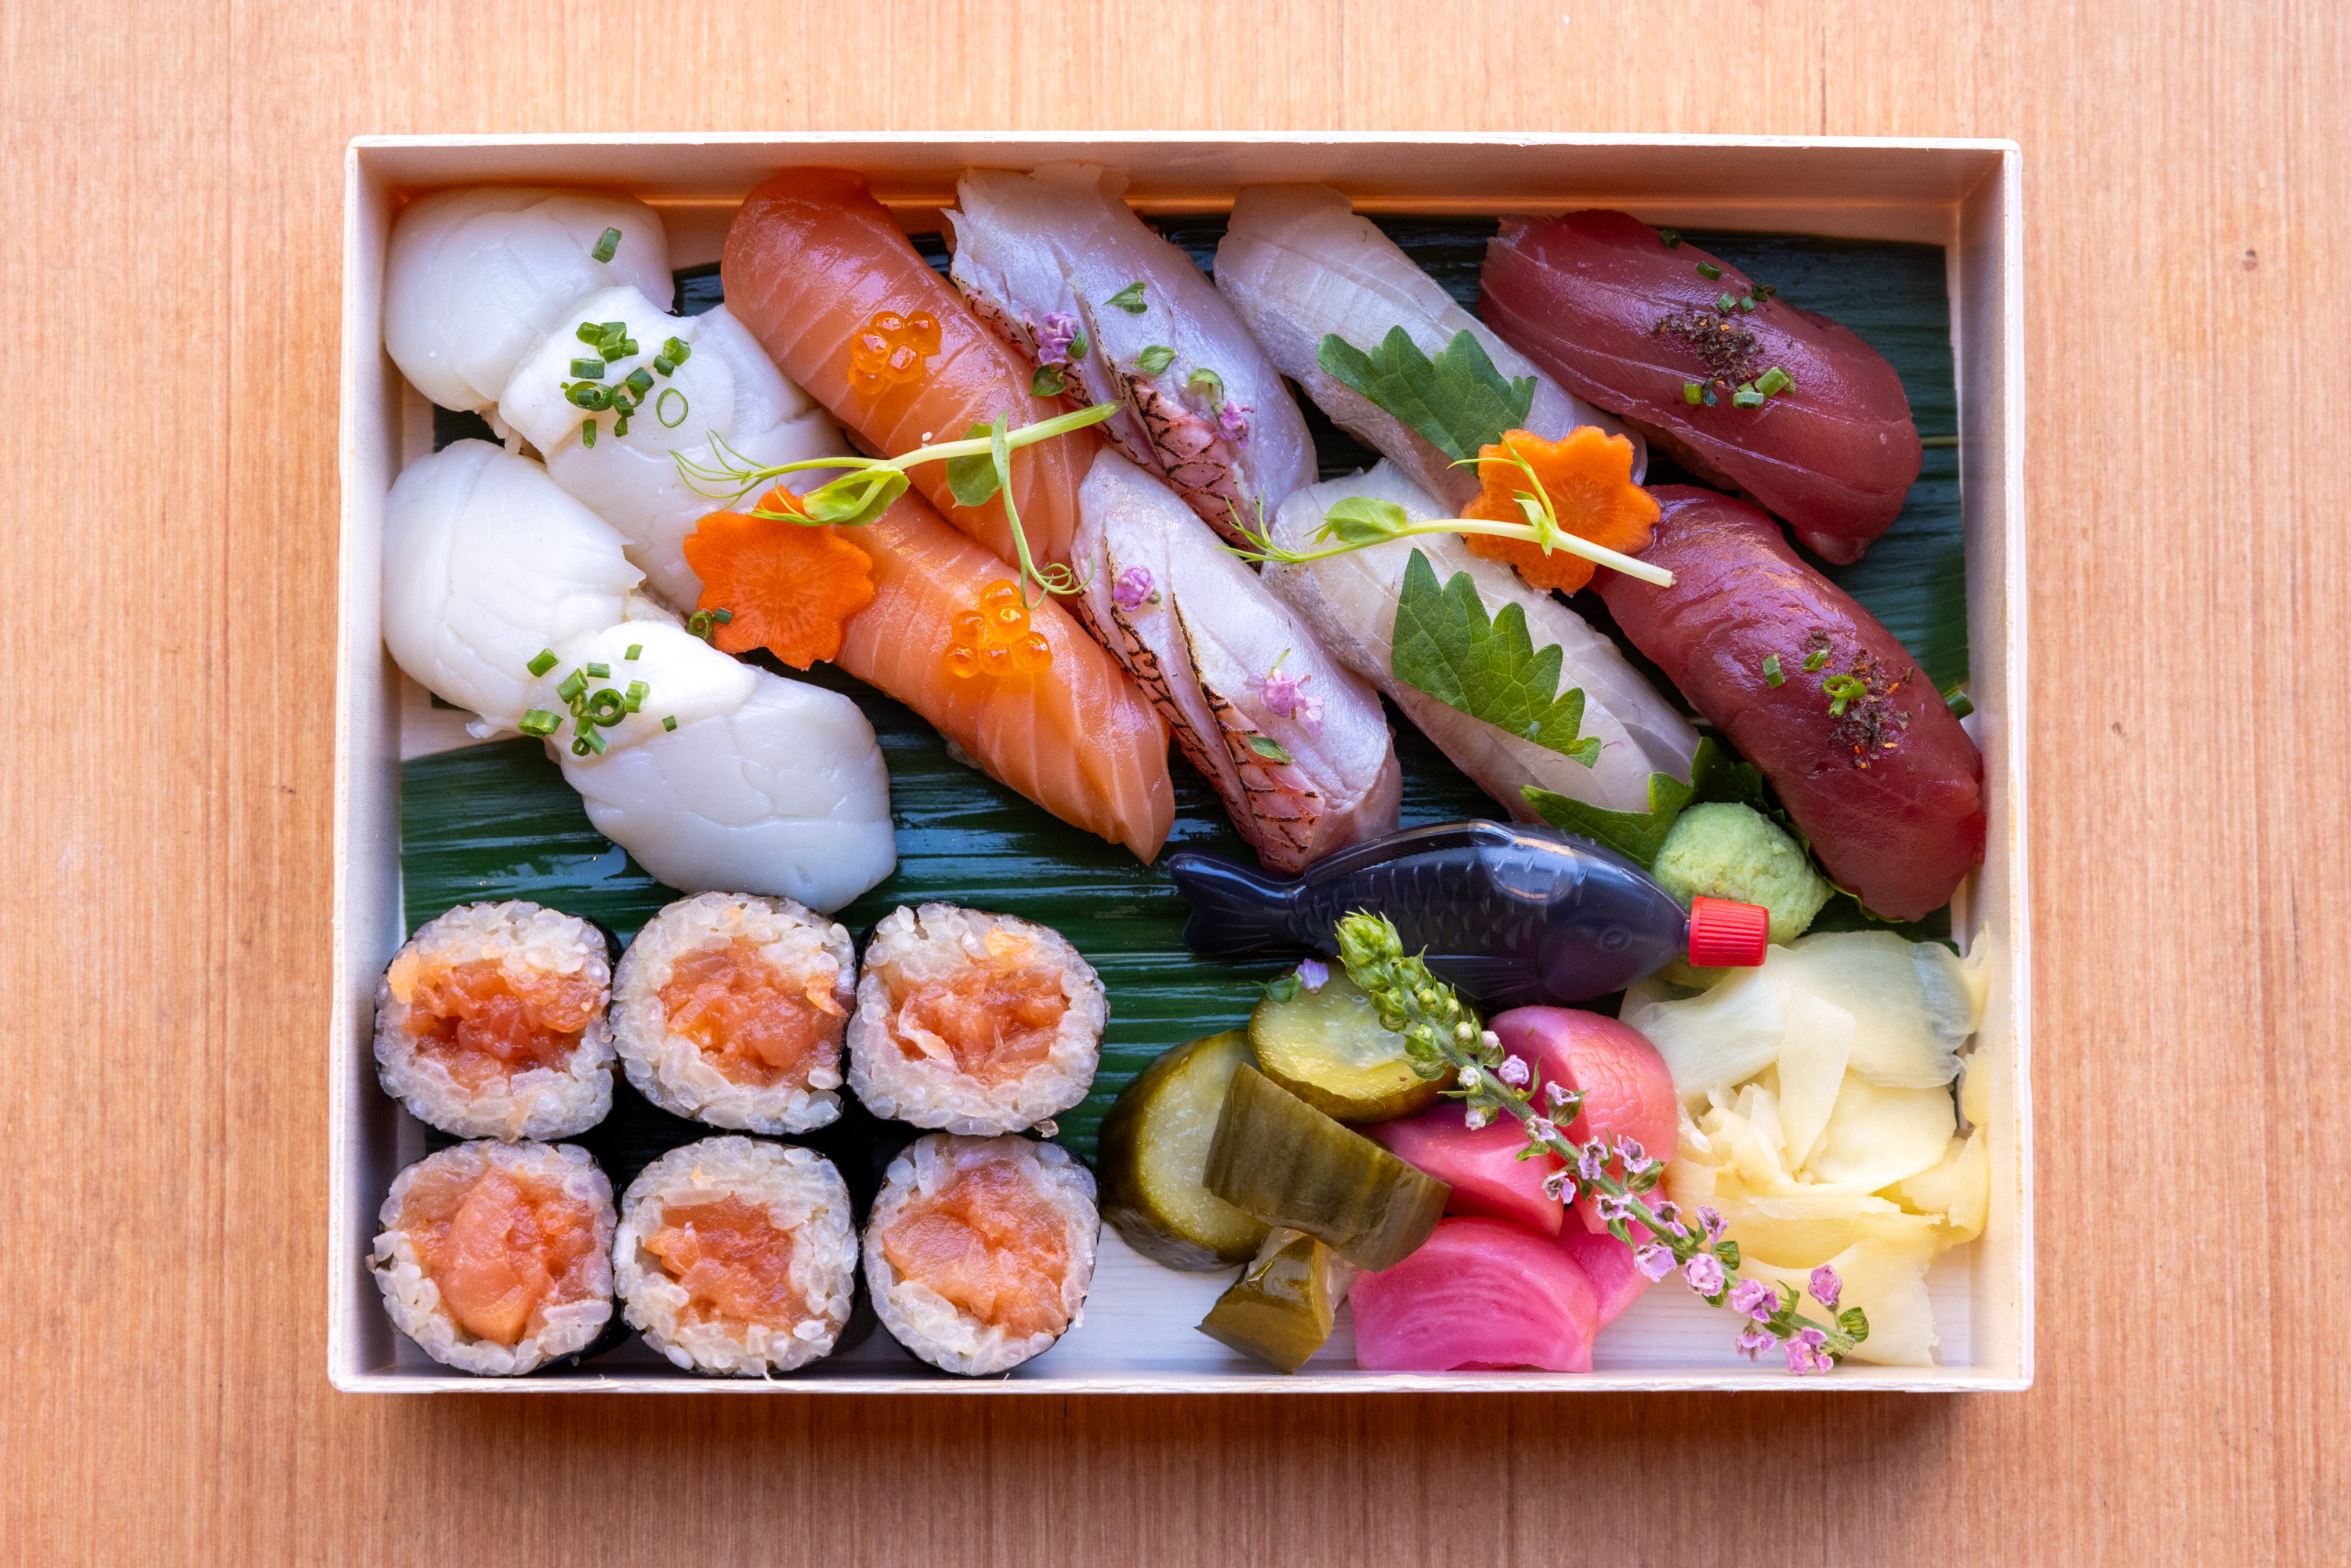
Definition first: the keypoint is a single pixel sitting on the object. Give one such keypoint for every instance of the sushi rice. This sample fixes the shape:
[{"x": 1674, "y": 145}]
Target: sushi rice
[
  {"x": 813, "y": 964},
  {"x": 901, "y": 1067},
  {"x": 953, "y": 1337},
  {"x": 801, "y": 1193},
  {"x": 414, "y": 1299},
  {"x": 531, "y": 947}
]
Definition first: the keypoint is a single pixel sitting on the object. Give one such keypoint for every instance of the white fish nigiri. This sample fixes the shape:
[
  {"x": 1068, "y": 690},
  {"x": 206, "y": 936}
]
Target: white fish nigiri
[
  {"x": 1350, "y": 601},
  {"x": 1205, "y": 409},
  {"x": 477, "y": 279},
  {"x": 674, "y": 675},
  {"x": 1239, "y": 679},
  {"x": 487, "y": 562},
  {"x": 786, "y": 795},
  {"x": 1298, "y": 265},
  {"x": 727, "y": 390}
]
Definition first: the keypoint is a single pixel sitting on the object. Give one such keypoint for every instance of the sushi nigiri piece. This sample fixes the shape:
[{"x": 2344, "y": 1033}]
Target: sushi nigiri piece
[
  {"x": 476, "y": 280},
  {"x": 1350, "y": 602},
  {"x": 1076, "y": 737},
  {"x": 487, "y": 562},
  {"x": 1298, "y": 265},
  {"x": 668, "y": 671},
  {"x": 784, "y": 795},
  {"x": 827, "y": 281},
  {"x": 1295, "y": 741},
  {"x": 1602, "y": 301},
  {"x": 1063, "y": 266}
]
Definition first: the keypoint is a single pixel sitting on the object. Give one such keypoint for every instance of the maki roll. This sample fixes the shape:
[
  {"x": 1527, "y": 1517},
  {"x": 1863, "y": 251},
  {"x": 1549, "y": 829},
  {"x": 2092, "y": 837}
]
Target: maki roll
[
  {"x": 730, "y": 1008},
  {"x": 980, "y": 1250},
  {"x": 495, "y": 1259},
  {"x": 490, "y": 1023},
  {"x": 974, "y": 1023},
  {"x": 739, "y": 1257}
]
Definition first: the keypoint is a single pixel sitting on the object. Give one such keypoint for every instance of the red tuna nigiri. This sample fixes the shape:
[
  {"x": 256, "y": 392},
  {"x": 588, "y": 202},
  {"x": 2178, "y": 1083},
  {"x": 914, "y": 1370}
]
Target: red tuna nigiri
[
  {"x": 811, "y": 260},
  {"x": 1478, "y": 1294},
  {"x": 1890, "y": 789},
  {"x": 1596, "y": 299}
]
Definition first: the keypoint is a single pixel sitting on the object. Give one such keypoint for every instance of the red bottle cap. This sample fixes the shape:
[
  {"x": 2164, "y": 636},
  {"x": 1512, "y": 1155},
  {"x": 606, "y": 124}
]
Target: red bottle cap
[{"x": 1727, "y": 934}]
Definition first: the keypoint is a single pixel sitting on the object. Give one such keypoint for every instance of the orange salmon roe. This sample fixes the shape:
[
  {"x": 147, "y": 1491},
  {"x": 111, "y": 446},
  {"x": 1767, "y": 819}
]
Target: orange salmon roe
[
  {"x": 994, "y": 637},
  {"x": 997, "y": 1021},
  {"x": 479, "y": 1023},
  {"x": 734, "y": 1262},
  {"x": 500, "y": 1250},
  {"x": 891, "y": 350},
  {"x": 992, "y": 1244},
  {"x": 754, "y": 1025}
]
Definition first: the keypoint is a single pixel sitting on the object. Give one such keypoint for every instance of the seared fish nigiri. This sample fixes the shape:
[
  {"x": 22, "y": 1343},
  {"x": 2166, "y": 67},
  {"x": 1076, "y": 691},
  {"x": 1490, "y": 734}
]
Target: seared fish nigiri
[
  {"x": 1062, "y": 266},
  {"x": 1296, "y": 744}
]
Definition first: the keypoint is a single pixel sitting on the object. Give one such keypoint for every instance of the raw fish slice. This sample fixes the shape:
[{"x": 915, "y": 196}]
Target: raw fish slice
[
  {"x": 684, "y": 678},
  {"x": 486, "y": 562},
  {"x": 1078, "y": 739},
  {"x": 786, "y": 795},
  {"x": 1300, "y": 265},
  {"x": 1060, "y": 241},
  {"x": 1479, "y": 1294},
  {"x": 1890, "y": 792},
  {"x": 1585, "y": 295},
  {"x": 477, "y": 279},
  {"x": 633, "y": 481},
  {"x": 810, "y": 259},
  {"x": 1206, "y": 629},
  {"x": 1349, "y": 602}
]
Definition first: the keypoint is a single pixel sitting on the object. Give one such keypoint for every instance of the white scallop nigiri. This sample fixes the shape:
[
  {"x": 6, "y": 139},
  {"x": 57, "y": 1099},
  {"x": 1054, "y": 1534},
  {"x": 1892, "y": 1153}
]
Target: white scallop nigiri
[
  {"x": 478, "y": 278},
  {"x": 657, "y": 672},
  {"x": 1298, "y": 264},
  {"x": 486, "y": 563},
  {"x": 1349, "y": 600},
  {"x": 1297, "y": 745},
  {"x": 786, "y": 795}
]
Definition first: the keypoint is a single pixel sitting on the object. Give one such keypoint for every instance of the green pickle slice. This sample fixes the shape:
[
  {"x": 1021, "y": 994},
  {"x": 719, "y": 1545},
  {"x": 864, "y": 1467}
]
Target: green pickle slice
[
  {"x": 1279, "y": 1158},
  {"x": 1281, "y": 1308},
  {"x": 1154, "y": 1149},
  {"x": 1327, "y": 1047}
]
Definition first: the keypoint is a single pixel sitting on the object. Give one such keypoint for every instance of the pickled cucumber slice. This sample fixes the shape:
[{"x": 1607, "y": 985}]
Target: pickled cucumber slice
[
  {"x": 1327, "y": 1047},
  {"x": 1279, "y": 1158},
  {"x": 1281, "y": 1308},
  {"x": 1154, "y": 1147}
]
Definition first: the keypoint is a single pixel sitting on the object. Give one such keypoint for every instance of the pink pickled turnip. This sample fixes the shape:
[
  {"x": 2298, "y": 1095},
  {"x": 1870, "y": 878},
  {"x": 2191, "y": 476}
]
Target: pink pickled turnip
[
  {"x": 1482, "y": 1166},
  {"x": 1478, "y": 1294},
  {"x": 1608, "y": 1264}
]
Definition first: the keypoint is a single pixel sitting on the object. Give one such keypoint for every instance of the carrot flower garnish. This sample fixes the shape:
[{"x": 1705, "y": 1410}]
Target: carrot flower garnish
[
  {"x": 1587, "y": 479},
  {"x": 791, "y": 587}
]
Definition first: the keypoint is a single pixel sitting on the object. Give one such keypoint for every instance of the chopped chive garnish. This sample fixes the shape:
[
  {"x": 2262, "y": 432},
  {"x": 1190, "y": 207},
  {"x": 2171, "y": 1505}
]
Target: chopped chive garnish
[
  {"x": 676, "y": 350},
  {"x": 670, "y": 722},
  {"x": 640, "y": 378},
  {"x": 663, "y": 363},
  {"x": 1958, "y": 702},
  {"x": 588, "y": 332},
  {"x": 1775, "y": 380},
  {"x": 608, "y": 245},
  {"x": 544, "y": 663},
  {"x": 593, "y": 740},
  {"x": 1722, "y": 304},
  {"x": 1692, "y": 391},
  {"x": 1673, "y": 238},
  {"x": 1748, "y": 303},
  {"x": 662, "y": 409},
  {"x": 607, "y": 708},
  {"x": 587, "y": 433},
  {"x": 634, "y": 649},
  {"x": 600, "y": 672},
  {"x": 1771, "y": 675},
  {"x": 1841, "y": 690},
  {"x": 1709, "y": 271},
  {"x": 1816, "y": 658},
  {"x": 1709, "y": 398},
  {"x": 1748, "y": 397},
  {"x": 722, "y": 616},
  {"x": 613, "y": 329},
  {"x": 573, "y": 685},
  {"x": 587, "y": 370},
  {"x": 1765, "y": 290},
  {"x": 538, "y": 721},
  {"x": 626, "y": 349},
  {"x": 638, "y": 692},
  {"x": 620, "y": 425},
  {"x": 588, "y": 395}
]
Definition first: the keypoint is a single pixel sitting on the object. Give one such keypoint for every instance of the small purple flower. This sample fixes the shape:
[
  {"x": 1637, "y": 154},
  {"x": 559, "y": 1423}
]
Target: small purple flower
[
  {"x": 1132, "y": 588},
  {"x": 1653, "y": 1261},
  {"x": 1753, "y": 1341},
  {"x": 1054, "y": 338},
  {"x": 1555, "y": 1186},
  {"x": 1703, "y": 1274},
  {"x": 1286, "y": 697},
  {"x": 1233, "y": 423},
  {"x": 1313, "y": 974},
  {"x": 1636, "y": 1157},
  {"x": 1591, "y": 1161},
  {"x": 1756, "y": 1299},
  {"x": 1558, "y": 1094},
  {"x": 1805, "y": 1354},
  {"x": 1826, "y": 1287},
  {"x": 1540, "y": 1134},
  {"x": 1513, "y": 1071},
  {"x": 1669, "y": 1213},
  {"x": 1611, "y": 1209},
  {"x": 1476, "y": 1116},
  {"x": 1489, "y": 1040},
  {"x": 1711, "y": 1219}
]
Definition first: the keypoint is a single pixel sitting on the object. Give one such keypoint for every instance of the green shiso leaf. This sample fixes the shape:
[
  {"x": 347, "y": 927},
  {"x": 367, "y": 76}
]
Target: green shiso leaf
[
  {"x": 1446, "y": 647},
  {"x": 1640, "y": 835},
  {"x": 1459, "y": 399}
]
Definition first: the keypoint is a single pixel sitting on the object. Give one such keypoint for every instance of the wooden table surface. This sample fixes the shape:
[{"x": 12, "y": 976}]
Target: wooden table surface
[{"x": 172, "y": 178}]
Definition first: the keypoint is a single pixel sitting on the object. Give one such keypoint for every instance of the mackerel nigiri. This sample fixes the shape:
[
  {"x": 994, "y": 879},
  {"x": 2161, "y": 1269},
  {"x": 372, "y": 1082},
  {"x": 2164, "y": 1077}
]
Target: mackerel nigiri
[
  {"x": 1064, "y": 267},
  {"x": 1298, "y": 265},
  {"x": 1077, "y": 738},
  {"x": 825, "y": 278},
  {"x": 1295, "y": 743},
  {"x": 1350, "y": 602}
]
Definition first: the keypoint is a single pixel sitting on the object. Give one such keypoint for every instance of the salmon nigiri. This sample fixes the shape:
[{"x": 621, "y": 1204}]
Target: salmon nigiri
[
  {"x": 816, "y": 268},
  {"x": 1076, "y": 737}
]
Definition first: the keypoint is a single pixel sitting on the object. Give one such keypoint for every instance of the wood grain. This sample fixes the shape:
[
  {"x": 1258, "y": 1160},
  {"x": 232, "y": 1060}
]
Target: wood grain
[{"x": 172, "y": 179}]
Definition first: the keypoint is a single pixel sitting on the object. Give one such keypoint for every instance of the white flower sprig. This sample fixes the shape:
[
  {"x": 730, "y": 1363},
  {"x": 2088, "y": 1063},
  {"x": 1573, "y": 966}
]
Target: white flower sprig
[{"x": 1443, "y": 1036}]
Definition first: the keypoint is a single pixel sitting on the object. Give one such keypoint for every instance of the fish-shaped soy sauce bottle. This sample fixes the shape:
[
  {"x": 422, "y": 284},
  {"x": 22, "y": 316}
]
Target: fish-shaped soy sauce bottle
[{"x": 1509, "y": 915}]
